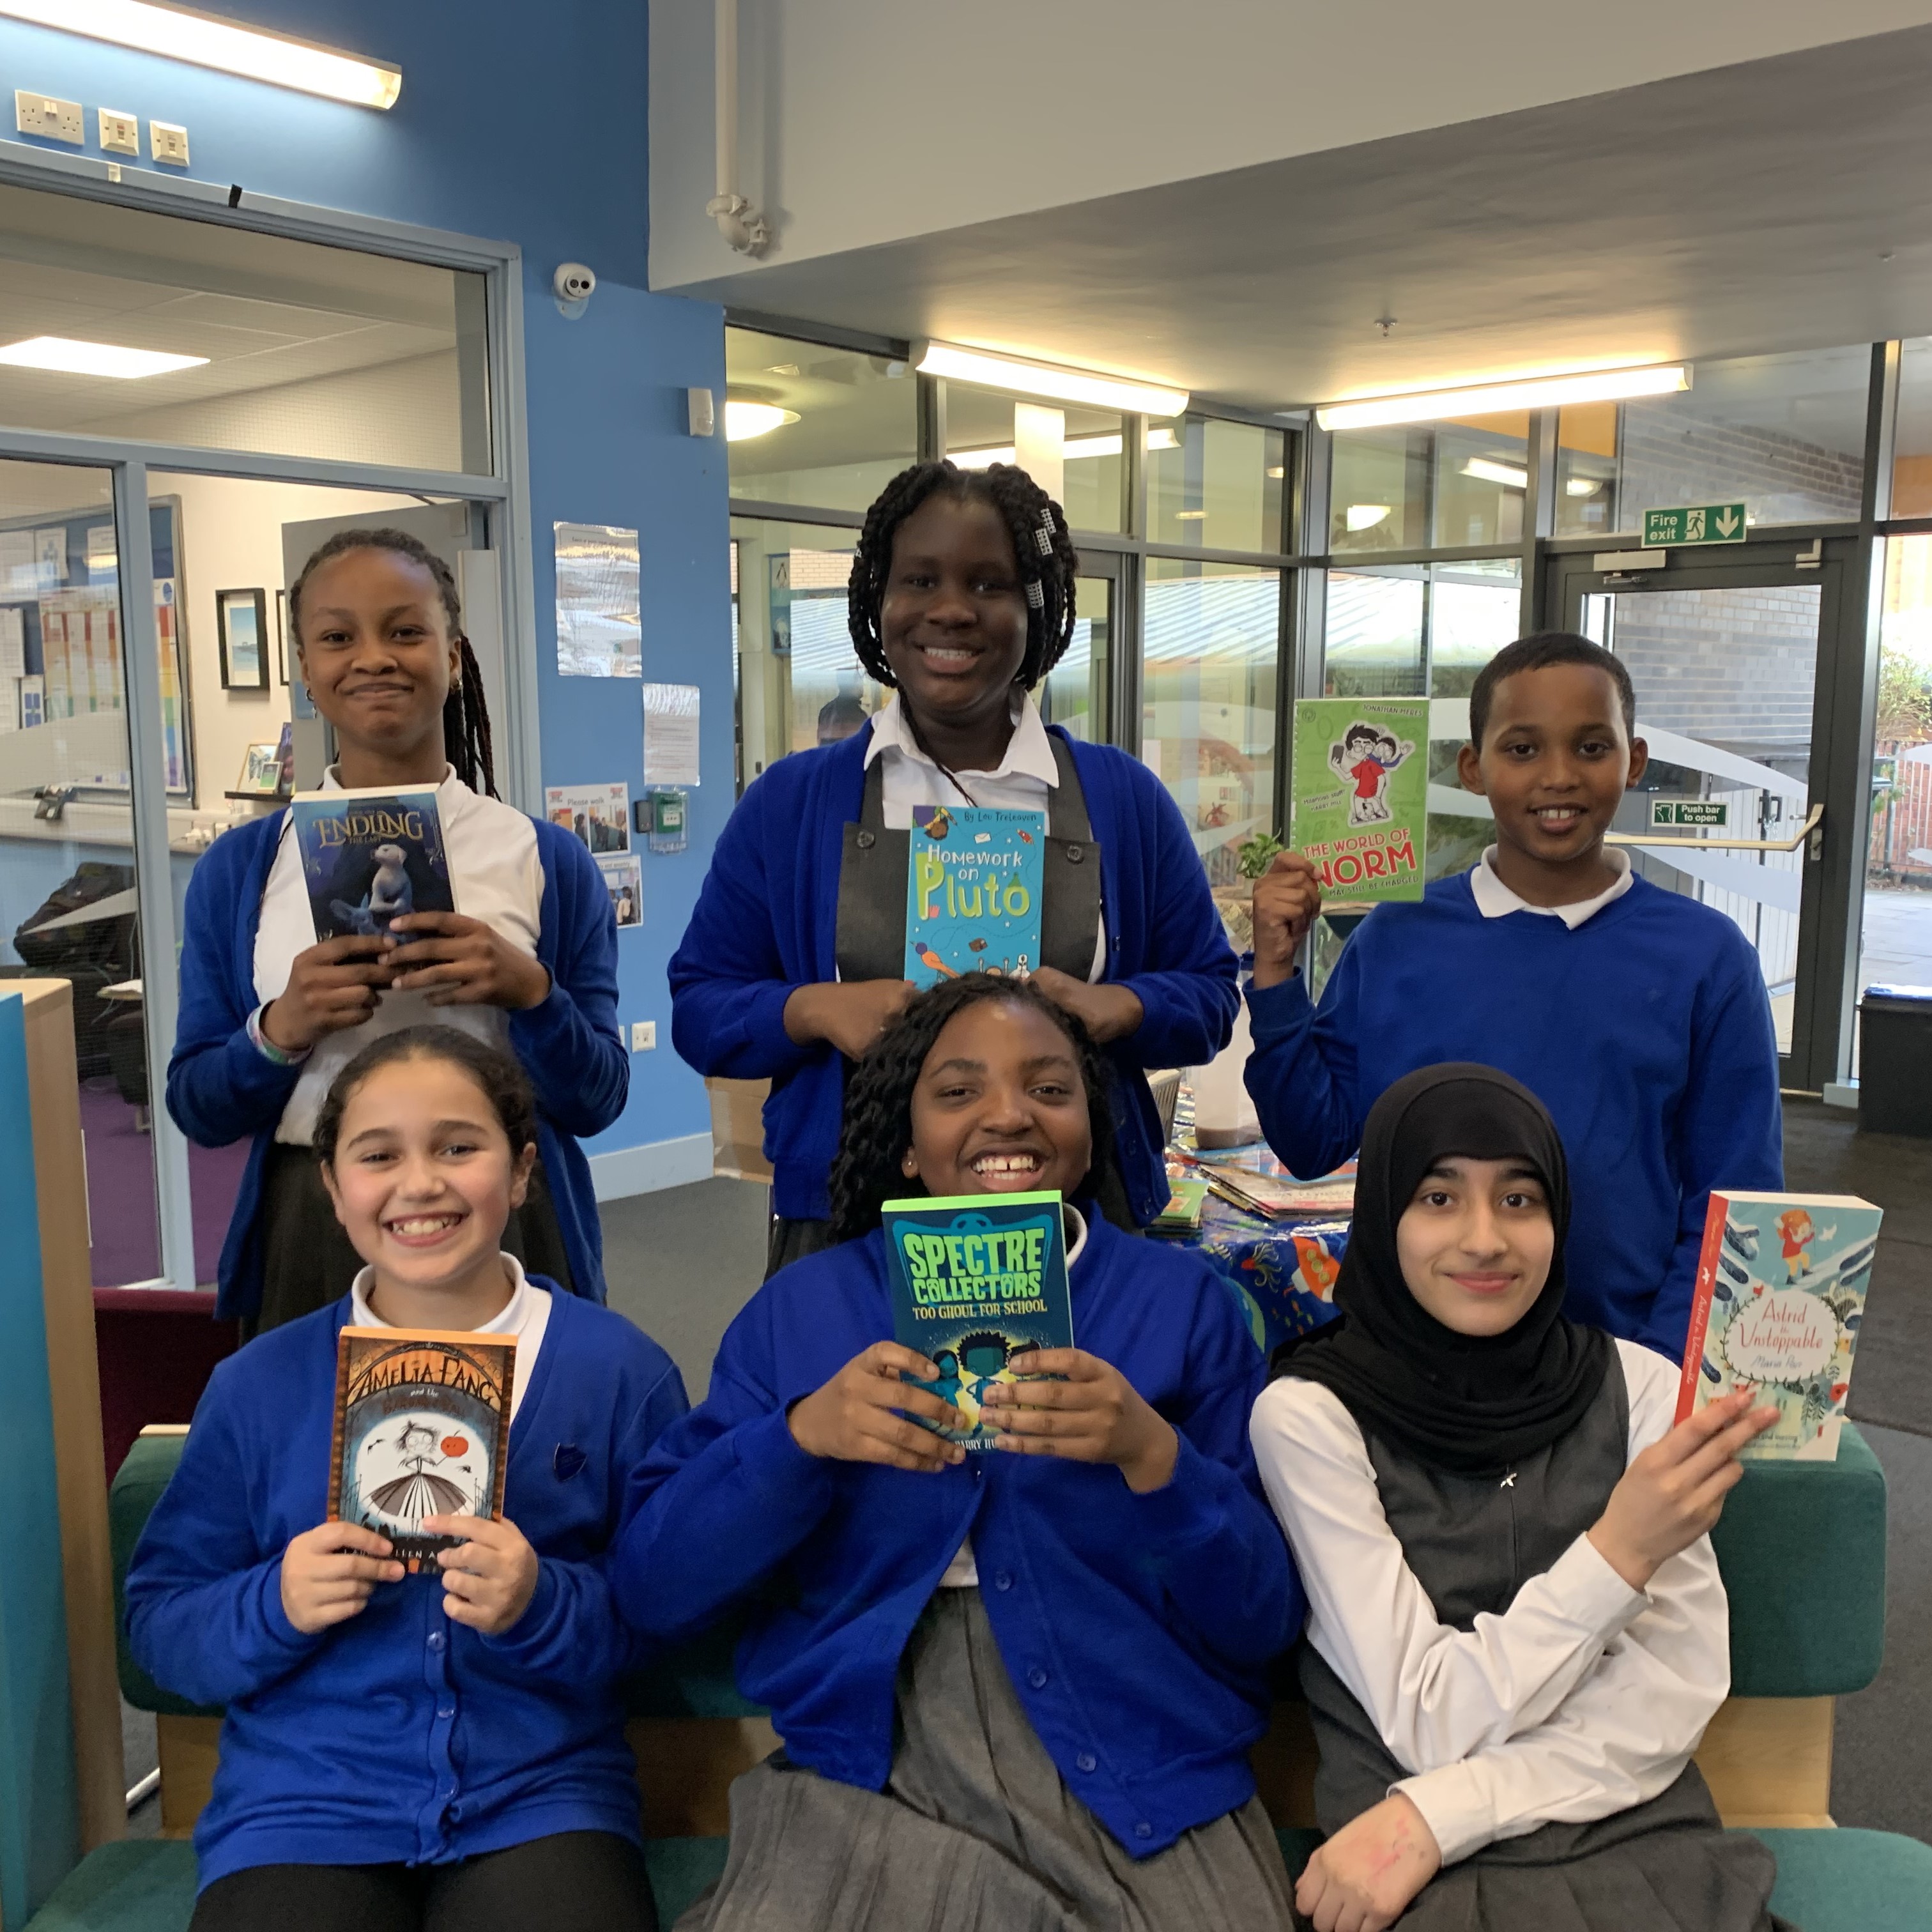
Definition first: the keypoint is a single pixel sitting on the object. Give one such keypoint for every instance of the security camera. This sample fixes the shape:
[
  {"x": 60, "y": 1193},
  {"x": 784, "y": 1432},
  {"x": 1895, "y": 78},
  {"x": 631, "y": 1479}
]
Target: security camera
[{"x": 573, "y": 283}]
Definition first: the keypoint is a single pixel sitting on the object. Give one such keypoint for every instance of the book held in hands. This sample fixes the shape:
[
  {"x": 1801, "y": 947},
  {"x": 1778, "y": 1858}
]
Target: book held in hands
[
  {"x": 1780, "y": 1298},
  {"x": 977, "y": 1280},
  {"x": 422, "y": 1429},
  {"x": 369, "y": 856},
  {"x": 973, "y": 890}
]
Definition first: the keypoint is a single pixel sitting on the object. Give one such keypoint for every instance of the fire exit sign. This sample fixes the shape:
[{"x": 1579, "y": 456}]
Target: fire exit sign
[
  {"x": 1714, "y": 814},
  {"x": 1698, "y": 523}
]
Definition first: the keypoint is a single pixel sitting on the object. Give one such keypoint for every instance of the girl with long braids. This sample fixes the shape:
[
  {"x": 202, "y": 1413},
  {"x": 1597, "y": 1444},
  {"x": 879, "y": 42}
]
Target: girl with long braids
[
  {"x": 1017, "y": 1688},
  {"x": 960, "y": 601},
  {"x": 269, "y": 1017}
]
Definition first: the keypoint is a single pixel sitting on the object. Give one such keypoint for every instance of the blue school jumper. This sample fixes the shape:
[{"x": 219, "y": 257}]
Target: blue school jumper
[
  {"x": 221, "y": 1086},
  {"x": 767, "y": 923},
  {"x": 1137, "y": 1628},
  {"x": 399, "y": 1736},
  {"x": 1646, "y": 1032}
]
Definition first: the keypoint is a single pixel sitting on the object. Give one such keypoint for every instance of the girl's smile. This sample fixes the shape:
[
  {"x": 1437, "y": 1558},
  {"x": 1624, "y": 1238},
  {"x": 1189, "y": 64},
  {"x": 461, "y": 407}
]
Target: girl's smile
[{"x": 1475, "y": 1243}]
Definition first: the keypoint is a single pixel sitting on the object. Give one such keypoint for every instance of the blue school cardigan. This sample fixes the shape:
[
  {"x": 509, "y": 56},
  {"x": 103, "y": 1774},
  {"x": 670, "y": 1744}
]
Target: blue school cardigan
[
  {"x": 1137, "y": 1629},
  {"x": 221, "y": 1086},
  {"x": 399, "y": 1736},
  {"x": 767, "y": 921}
]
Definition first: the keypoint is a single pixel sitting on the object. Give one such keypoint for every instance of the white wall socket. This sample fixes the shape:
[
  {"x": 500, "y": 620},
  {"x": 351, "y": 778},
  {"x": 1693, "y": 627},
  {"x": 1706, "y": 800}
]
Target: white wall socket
[
  {"x": 53, "y": 120},
  {"x": 643, "y": 1036},
  {"x": 168, "y": 143},
  {"x": 120, "y": 133}
]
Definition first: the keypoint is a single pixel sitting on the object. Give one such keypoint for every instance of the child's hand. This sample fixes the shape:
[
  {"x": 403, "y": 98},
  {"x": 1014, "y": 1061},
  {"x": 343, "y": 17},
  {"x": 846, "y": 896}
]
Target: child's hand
[
  {"x": 848, "y": 1014},
  {"x": 457, "y": 961},
  {"x": 1288, "y": 897},
  {"x": 331, "y": 986},
  {"x": 489, "y": 1580},
  {"x": 1674, "y": 1492},
  {"x": 1107, "y": 1012},
  {"x": 851, "y": 1419},
  {"x": 328, "y": 1573},
  {"x": 1365, "y": 1877},
  {"x": 1095, "y": 1415}
]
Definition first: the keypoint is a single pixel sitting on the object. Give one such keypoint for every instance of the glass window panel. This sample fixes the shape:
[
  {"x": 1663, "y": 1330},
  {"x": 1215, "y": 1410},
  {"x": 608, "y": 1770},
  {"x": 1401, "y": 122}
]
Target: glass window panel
[
  {"x": 1378, "y": 489},
  {"x": 1414, "y": 486},
  {"x": 1217, "y": 485},
  {"x": 294, "y": 348},
  {"x": 1373, "y": 642},
  {"x": 1482, "y": 472},
  {"x": 1911, "y": 464},
  {"x": 1208, "y": 681},
  {"x": 1083, "y": 446},
  {"x": 805, "y": 424},
  {"x": 1784, "y": 433},
  {"x": 1074, "y": 693}
]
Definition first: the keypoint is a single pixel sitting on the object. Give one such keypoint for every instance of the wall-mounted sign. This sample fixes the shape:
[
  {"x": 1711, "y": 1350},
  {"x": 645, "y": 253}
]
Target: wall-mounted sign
[
  {"x": 1697, "y": 524},
  {"x": 1711, "y": 815}
]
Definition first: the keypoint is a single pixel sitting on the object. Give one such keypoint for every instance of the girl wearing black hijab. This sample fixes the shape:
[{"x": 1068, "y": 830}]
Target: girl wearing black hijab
[{"x": 1516, "y": 1632}]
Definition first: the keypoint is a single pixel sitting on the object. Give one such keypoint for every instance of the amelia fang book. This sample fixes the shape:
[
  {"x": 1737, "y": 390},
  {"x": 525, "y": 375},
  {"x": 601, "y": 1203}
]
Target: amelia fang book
[
  {"x": 422, "y": 1428},
  {"x": 1780, "y": 1298},
  {"x": 977, "y": 1280},
  {"x": 369, "y": 856}
]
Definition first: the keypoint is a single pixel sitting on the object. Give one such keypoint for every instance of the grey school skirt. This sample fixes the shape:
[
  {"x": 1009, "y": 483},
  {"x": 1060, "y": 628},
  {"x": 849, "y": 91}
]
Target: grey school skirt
[{"x": 975, "y": 1831}]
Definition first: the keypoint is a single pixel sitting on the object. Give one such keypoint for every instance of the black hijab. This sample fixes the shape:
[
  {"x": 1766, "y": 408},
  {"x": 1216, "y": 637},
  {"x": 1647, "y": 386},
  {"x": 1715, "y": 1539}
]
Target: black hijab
[{"x": 1467, "y": 1403}]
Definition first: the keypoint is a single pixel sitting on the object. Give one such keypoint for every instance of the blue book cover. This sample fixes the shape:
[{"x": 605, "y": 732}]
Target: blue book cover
[
  {"x": 977, "y": 1279},
  {"x": 369, "y": 856},
  {"x": 972, "y": 888}
]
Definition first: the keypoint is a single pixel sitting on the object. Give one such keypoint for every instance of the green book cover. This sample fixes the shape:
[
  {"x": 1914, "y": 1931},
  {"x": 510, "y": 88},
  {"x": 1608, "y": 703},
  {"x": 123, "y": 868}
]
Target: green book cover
[
  {"x": 1359, "y": 808},
  {"x": 977, "y": 1279}
]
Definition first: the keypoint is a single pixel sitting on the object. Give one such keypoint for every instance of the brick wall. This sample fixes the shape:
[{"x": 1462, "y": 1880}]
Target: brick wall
[{"x": 1669, "y": 455}]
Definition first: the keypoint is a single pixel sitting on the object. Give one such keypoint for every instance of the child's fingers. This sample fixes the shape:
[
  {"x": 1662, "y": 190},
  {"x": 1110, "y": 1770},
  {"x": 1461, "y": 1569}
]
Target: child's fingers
[
  {"x": 1720, "y": 1451},
  {"x": 884, "y": 1358},
  {"x": 356, "y": 1569},
  {"x": 903, "y": 1397},
  {"x": 1690, "y": 1435},
  {"x": 1076, "y": 1364},
  {"x": 904, "y": 1445},
  {"x": 336, "y": 1534}
]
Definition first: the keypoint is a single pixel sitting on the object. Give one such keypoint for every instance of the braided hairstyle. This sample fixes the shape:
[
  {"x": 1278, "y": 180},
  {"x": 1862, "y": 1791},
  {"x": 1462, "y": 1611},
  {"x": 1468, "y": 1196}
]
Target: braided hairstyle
[
  {"x": 1047, "y": 561},
  {"x": 466, "y": 739},
  {"x": 878, "y": 1126}
]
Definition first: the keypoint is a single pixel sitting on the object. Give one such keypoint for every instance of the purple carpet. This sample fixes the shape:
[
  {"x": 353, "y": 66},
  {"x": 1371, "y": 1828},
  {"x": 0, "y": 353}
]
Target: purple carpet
[{"x": 125, "y": 1228}]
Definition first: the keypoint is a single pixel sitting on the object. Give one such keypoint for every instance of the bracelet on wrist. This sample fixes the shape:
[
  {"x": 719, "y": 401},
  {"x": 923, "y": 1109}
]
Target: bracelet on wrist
[{"x": 281, "y": 1056}]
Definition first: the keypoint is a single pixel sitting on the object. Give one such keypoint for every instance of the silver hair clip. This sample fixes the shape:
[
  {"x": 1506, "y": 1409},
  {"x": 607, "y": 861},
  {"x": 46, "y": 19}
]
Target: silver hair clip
[
  {"x": 1043, "y": 536},
  {"x": 1035, "y": 596}
]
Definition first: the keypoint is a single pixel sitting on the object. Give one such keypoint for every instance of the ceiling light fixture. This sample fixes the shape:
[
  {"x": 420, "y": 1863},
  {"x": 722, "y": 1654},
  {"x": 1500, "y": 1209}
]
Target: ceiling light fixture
[
  {"x": 205, "y": 39},
  {"x": 743, "y": 421},
  {"x": 1583, "y": 486},
  {"x": 1530, "y": 392},
  {"x": 1507, "y": 474},
  {"x": 1042, "y": 378},
  {"x": 68, "y": 358},
  {"x": 1365, "y": 516},
  {"x": 1189, "y": 516},
  {"x": 1073, "y": 449}
]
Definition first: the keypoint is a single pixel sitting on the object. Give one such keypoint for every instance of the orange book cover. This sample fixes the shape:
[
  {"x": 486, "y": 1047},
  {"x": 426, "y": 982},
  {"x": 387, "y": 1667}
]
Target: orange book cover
[{"x": 1700, "y": 1305}]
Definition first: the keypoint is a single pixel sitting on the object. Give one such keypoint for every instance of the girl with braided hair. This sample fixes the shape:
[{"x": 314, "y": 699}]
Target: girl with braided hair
[
  {"x": 269, "y": 1017},
  {"x": 962, "y": 599},
  {"x": 1017, "y": 1687}
]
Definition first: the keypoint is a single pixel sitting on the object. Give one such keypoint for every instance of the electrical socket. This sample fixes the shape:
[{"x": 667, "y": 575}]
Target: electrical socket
[
  {"x": 120, "y": 133},
  {"x": 168, "y": 143},
  {"x": 53, "y": 120},
  {"x": 643, "y": 1036}
]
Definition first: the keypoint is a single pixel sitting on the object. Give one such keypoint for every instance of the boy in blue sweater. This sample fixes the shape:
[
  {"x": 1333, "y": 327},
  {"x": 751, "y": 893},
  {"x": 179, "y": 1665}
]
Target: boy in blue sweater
[
  {"x": 1638, "y": 1016},
  {"x": 420, "y": 1752}
]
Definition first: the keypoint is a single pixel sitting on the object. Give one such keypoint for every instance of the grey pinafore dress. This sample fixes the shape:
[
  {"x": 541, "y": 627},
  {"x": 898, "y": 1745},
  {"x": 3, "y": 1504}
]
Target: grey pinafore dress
[{"x": 1667, "y": 1865}]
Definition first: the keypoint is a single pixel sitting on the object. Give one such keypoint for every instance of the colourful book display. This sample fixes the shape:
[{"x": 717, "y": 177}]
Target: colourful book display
[
  {"x": 422, "y": 1428},
  {"x": 972, "y": 888},
  {"x": 1359, "y": 807},
  {"x": 977, "y": 1279},
  {"x": 369, "y": 856},
  {"x": 1780, "y": 1297}
]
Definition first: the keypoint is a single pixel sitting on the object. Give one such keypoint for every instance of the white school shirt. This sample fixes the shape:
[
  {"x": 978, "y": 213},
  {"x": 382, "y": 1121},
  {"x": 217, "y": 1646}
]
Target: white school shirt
[
  {"x": 497, "y": 878},
  {"x": 1023, "y": 781},
  {"x": 1493, "y": 898},
  {"x": 1584, "y": 1698},
  {"x": 963, "y": 1572},
  {"x": 527, "y": 1317}
]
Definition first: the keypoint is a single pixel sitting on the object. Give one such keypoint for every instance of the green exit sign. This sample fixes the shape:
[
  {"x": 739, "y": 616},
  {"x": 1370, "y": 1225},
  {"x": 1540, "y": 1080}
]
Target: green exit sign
[
  {"x": 1714, "y": 813},
  {"x": 1696, "y": 524}
]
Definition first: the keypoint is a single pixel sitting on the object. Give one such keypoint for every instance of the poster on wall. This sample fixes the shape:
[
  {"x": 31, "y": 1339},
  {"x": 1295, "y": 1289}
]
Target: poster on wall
[
  {"x": 1358, "y": 809},
  {"x": 13, "y": 643},
  {"x": 598, "y": 815},
  {"x": 671, "y": 734},
  {"x": 624, "y": 880},
  {"x": 19, "y": 575},
  {"x": 50, "y": 557},
  {"x": 598, "y": 631}
]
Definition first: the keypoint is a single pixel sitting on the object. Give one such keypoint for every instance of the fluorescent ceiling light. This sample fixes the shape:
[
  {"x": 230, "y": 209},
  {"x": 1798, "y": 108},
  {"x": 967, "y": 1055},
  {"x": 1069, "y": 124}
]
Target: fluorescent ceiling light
[
  {"x": 1041, "y": 379},
  {"x": 1583, "y": 486},
  {"x": 1073, "y": 449},
  {"x": 743, "y": 421},
  {"x": 1484, "y": 471},
  {"x": 204, "y": 40},
  {"x": 1189, "y": 516},
  {"x": 1365, "y": 516},
  {"x": 1532, "y": 392},
  {"x": 93, "y": 358}
]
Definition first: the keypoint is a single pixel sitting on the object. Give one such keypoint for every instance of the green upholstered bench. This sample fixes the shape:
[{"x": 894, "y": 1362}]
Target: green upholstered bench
[{"x": 1802, "y": 1547}]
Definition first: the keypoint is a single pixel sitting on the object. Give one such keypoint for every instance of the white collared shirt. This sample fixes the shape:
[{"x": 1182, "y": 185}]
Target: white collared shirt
[
  {"x": 1494, "y": 899},
  {"x": 526, "y": 1316},
  {"x": 496, "y": 876},
  {"x": 1023, "y": 781}
]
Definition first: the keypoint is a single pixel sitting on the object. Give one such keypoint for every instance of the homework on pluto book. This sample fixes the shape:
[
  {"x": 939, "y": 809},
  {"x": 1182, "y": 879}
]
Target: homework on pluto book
[{"x": 973, "y": 888}]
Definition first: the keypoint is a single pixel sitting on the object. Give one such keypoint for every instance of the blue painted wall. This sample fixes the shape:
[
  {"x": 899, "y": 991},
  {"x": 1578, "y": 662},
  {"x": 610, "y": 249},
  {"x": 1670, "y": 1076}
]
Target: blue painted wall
[{"x": 525, "y": 124}]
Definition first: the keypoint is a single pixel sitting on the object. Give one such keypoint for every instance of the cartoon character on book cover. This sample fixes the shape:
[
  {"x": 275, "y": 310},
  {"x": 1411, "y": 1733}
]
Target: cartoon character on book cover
[
  {"x": 1365, "y": 755},
  {"x": 973, "y": 892},
  {"x": 368, "y": 860},
  {"x": 1358, "y": 796}
]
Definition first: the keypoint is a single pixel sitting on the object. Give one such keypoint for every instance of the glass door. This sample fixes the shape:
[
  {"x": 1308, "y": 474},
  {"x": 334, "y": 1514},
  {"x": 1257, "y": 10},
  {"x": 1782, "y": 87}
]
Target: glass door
[
  {"x": 1735, "y": 665},
  {"x": 1078, "y": 693}
]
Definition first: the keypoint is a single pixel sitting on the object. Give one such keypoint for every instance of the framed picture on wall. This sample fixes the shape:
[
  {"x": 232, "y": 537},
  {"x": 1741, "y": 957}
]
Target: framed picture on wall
[
  {"x": 242, "y": 622},
  {"x": 282, "y": 635}
]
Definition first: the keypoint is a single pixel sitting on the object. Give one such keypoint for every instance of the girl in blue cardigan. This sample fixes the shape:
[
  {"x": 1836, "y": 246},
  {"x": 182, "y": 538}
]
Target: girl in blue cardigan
[
  {"x": 1017, "y": 1688},
  {"x": 426, "y": 1751},
  {"x": 961, "y": 600},
  {"x": 269, "y": 1017}
]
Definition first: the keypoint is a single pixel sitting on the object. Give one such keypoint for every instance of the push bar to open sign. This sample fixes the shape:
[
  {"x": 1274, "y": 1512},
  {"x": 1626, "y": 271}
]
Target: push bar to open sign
[{"x": 1812, "y": 820}]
